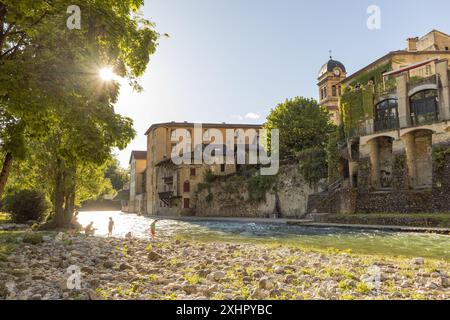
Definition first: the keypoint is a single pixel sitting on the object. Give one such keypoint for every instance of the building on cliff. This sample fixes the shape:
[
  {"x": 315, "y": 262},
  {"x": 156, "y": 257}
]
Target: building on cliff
[
  {"x": 395, "y": 133},
  {"x": 169, "y": 188}
]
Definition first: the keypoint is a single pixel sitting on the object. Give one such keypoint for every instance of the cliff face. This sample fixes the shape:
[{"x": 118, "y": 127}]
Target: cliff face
[{"x": 284, "y": 196}]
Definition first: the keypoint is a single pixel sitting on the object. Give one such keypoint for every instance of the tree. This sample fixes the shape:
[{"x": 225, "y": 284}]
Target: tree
[
  {"x": 303, "y": 124},
  {"x": 118, "y": 176},
  {"x": 76, "y": 123}
]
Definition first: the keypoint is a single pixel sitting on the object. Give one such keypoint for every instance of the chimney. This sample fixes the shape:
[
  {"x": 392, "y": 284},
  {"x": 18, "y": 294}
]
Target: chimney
[{"x": 412, "y": 44}]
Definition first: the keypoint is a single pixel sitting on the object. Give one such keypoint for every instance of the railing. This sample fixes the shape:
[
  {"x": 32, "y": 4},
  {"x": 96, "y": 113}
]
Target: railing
[
  {"x": 167, "y": 195},
  {"x": 387, "y": 124},
  {"x": 424, "y": 118}
]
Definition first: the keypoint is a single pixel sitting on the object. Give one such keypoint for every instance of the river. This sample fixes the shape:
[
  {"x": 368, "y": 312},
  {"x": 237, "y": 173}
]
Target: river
[{"x": 358, "y": 241}]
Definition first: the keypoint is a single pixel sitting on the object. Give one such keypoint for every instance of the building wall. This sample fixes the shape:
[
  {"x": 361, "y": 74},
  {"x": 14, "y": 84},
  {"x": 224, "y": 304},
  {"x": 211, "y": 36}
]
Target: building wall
[{"x": 159, "y": 148}]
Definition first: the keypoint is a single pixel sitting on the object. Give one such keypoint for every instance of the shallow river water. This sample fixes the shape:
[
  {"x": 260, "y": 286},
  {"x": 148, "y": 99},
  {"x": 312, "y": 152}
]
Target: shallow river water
[{"x": 358, "y": 241}]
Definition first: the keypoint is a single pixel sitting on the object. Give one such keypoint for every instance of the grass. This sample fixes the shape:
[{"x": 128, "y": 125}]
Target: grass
[{"x": 9, "y": 241}]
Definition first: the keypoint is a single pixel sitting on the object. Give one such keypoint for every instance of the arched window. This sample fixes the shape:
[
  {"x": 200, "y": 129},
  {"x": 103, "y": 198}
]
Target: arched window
[
  {"x": 386, "y": 115},
  {"x": 186, "y": 186},
  {"x": 424, "y": 107}
]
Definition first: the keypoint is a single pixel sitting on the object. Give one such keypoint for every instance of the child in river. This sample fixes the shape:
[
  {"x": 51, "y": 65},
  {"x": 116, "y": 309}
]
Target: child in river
[
  {"x": 90, "y": 230},
  {"x": 110, "y": 226},
  {"x": 153, "y": 229}
]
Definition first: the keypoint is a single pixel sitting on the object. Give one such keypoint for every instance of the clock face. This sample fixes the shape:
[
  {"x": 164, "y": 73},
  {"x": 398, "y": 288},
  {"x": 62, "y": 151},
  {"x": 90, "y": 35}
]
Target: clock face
[{"x": 337, "y": 72}]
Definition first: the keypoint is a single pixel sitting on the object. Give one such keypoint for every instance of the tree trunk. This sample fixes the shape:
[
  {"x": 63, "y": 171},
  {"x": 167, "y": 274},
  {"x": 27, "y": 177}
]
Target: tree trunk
[
  {"x": 7, "y": 165},
  {"x": 58, "y": 218}
]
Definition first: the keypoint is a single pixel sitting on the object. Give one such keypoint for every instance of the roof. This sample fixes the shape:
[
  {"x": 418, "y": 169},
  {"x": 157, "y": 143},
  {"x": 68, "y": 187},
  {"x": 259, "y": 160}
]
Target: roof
[
  {"x": 389, "y": 55},
  {"x": 330, "y": 65},
  {"x": 174, "y": 124},
  {"x": 138, "y": 155}
]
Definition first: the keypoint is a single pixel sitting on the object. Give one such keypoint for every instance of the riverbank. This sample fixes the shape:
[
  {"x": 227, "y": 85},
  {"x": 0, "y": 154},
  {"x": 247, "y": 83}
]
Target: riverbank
[{"x": 179, "y": 268}]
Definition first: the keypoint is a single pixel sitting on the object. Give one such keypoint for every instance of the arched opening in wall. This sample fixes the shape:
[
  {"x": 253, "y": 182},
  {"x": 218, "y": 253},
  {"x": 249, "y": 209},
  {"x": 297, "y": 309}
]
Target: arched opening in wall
[
  {"x": 420, "y": 158},
  {"x": 381, "y": 159},
  {"x": 424, "y": 106},
  {"x": 386, "y": 115}
]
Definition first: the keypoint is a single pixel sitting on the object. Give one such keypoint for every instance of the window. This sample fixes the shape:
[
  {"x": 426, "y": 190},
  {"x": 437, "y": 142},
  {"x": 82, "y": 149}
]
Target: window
[
  {"x": 186, "y": 187},
  {"x": 424, "y": 107},
  {"x": 446, "y": 48},
  {"x": 193, "y": 173},
  {"x": 334, "y": 91},
  {"x": 325, "y": 92},
  {"x": 222, "y": 168},
  {"x": 207, "y": 134},
  {"x": 386, "y": 115},
  {"x": 339, "y": 91},
  {"x": 186, "y": 203},
  {"x": 173, "y": 134}
]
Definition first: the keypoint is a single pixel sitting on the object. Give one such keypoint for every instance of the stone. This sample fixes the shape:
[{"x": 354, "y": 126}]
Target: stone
[
  {"x": 125, "y": 266},
  {"x": 189, "y": 289},
  {"x": 153, "y": 256},
  {"x": 418, "y": 261},
  {"x": 87, "y": 270},
  {"x": 290, "y": 278},
  {"x": 108, "y": 264},
  {"x": 279, "y": 270},
  {"x": 36, "y": 297},
  {"x": 218, "y": 275},
  {"x": 266, "y": 283},
  {"x": 259, "y": 294}
]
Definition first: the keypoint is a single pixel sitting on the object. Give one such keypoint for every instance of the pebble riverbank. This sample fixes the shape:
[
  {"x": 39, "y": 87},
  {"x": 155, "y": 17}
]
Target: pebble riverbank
[{"x": 181, "y": 269}]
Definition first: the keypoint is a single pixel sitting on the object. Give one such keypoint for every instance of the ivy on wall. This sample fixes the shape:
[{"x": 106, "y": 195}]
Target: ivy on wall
[
  {"x": 357, "y": 101},
  {"x": 355, "y": 107}
]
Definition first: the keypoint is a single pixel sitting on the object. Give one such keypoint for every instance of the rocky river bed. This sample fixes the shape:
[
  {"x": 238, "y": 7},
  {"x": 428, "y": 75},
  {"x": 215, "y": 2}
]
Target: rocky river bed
[{"x": 75, "y": 267}]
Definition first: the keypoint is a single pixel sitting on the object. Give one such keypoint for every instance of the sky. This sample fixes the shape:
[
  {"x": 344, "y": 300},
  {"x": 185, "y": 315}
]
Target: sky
[{"x": 234, "y": 60}]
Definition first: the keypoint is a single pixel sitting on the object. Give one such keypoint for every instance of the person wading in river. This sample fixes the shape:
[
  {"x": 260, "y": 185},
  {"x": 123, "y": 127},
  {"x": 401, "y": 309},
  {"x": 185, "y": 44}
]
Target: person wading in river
[
  {"x": 110, "y": 226},
  {"x": 153, "y": 229}
]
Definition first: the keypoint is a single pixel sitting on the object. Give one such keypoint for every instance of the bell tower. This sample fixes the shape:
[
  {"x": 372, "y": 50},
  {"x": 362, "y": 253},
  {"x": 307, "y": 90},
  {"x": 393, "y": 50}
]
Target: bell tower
[{"x": 329, "y": 82}]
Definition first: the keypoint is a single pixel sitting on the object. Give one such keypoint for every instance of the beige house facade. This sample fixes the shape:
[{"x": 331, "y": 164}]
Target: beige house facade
[{"x": 171, "y": 188}]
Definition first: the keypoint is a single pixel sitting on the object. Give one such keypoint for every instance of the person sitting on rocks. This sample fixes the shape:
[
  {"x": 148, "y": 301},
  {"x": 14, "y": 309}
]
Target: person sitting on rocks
[
  {"x": 75, "y": 226},
  {"x": 90, "y": 230}
]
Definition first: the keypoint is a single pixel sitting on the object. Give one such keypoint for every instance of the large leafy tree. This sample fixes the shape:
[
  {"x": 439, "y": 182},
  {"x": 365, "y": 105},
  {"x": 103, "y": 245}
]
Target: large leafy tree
[
  {"x": 303, "y": 124},
  {"x": 304, "y": 129},
  {"x": 54, "y": 90}
]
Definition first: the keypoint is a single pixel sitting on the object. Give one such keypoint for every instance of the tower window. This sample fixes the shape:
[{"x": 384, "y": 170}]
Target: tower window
[{"x": 334, "y": 91}]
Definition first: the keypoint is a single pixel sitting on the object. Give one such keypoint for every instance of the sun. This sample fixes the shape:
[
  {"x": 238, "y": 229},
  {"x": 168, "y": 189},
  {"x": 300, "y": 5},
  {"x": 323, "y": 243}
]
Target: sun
[{"x": 107, "y": 74}]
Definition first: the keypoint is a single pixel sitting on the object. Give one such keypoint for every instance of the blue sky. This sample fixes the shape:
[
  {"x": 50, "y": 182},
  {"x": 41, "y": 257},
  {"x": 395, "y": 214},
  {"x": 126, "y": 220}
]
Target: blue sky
[{"x": 228, "y": 59}]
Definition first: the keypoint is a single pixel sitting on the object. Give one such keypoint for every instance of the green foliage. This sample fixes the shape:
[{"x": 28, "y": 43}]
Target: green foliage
[
  {"x": 50, "y": 84},
  {"x": 313, "y": 164},
  {"x": 258, "y": 186},
  {"x": 303, "y": 124},
  {"x": 355, "y": 107},
  {"x": 332, "y": 153},
  {"x": 33, "y": 238},
  {"x": 440, "y": 156},
  {"x": 118, "y": 176},
  {"x": 25, "y": 205}
]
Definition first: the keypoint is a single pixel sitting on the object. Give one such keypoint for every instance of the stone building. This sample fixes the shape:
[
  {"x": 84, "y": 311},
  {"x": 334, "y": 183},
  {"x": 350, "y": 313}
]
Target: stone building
[
  {"x": 395, "y": 116},
  {"x": 138, "y": 167},
  {"x": 171, "y": 188}
]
